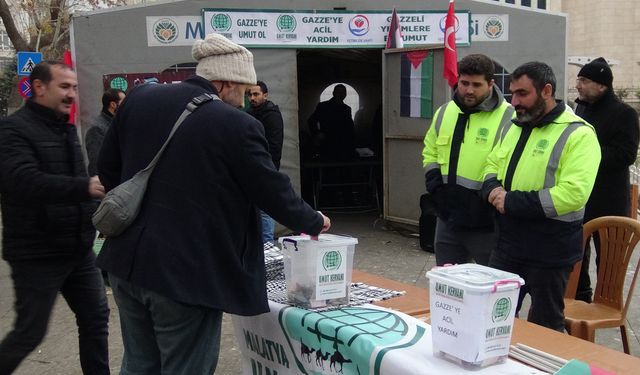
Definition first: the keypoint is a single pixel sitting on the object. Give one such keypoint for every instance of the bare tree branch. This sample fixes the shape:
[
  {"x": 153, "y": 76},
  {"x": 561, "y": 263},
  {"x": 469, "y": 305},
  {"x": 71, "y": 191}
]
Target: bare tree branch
[
  {"x": 46, "y": 22},
  {"x": 63, "y": 37},
  {"x": 12, "y": 31},
  {"x": 54, "y": 9}
]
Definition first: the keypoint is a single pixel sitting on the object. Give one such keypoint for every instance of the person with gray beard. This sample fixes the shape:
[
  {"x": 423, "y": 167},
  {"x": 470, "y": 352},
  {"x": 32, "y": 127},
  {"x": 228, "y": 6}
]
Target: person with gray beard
[{"x": 195, "y": 249}]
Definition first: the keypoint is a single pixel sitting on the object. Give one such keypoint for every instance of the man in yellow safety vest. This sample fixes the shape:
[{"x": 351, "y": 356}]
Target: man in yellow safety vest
[
  {"x": 539, "y": 178},
  {"x": 462, "y": 134}
]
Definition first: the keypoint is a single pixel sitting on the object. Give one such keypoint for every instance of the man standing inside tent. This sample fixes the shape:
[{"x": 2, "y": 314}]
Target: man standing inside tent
[{"x": 332, "y": 125}]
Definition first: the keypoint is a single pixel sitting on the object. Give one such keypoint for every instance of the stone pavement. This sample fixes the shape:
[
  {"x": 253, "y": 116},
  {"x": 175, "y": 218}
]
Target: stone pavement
[{"x": 383, "y": 250}]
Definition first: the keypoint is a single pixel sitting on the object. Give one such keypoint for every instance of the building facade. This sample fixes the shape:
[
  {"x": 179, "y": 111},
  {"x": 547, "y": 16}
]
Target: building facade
[
  {"x": 599, "y": 28},
  {"x": 7, "y": 52}
]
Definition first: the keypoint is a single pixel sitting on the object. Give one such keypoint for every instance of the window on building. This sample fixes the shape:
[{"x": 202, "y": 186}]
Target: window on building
[
  {"x": 502, "y": 80},
  {"x": 5, "y": 42},
  {"x": 525, "y": 3},
  {"x": 352, "y": 99},
  {"x": 6, "y": 62},
  {"x": 542, "y": 4},
  {"x": 510, "y": 1}
]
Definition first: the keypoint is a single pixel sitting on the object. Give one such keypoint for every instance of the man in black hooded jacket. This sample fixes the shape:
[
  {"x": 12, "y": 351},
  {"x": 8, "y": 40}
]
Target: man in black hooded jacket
[
  {"x": 265, "y": 111},
  {"x": 271, "y": 119}
]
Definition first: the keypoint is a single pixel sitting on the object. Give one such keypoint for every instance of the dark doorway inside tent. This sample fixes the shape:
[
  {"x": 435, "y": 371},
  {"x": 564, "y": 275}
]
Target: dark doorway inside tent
[{"x": 341, "y": 161}]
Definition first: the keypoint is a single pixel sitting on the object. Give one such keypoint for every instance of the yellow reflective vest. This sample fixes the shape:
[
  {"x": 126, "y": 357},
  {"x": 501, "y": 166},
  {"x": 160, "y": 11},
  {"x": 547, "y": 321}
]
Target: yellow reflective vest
[
  {"x": 480, "y": 136},
  {"x": 560, "y": 161}
]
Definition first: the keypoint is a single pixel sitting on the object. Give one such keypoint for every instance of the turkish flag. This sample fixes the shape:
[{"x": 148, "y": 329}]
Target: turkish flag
[
  {"x": 450, "y": 54},
  {"x": 66, "y": 58},
  {"x": 394, "y": 38}
]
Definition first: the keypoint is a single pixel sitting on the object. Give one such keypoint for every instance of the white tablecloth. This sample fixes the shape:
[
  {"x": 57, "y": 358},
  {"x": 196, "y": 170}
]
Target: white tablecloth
[{"x": 355, "y": 340}]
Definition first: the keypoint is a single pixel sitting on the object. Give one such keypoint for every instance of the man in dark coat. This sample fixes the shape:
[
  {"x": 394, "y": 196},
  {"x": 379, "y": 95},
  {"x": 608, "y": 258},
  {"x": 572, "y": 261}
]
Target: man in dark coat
[
  {"x": 47, "y": 202},
  {"x": 111, "y": 100},
  {"x": 332, "y": 126},
  {"x": 268, "y": 113},
  {"x": 195, "y": 249},
  {"x": 616, "y": 125},
  {"x": 271, "y": 119}
]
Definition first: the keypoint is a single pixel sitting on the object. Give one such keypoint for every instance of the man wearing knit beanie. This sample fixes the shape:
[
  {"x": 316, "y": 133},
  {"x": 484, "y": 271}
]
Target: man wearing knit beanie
[
  {"x": 227, "y": 65},
  {"x": 195, "y": 249},
  {"x": 616, "y": 125},
  {"x": 598, "y": 71}
]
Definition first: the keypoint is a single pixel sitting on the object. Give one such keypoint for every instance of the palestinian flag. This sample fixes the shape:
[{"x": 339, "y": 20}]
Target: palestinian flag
[{"x": 416, "y": 84}]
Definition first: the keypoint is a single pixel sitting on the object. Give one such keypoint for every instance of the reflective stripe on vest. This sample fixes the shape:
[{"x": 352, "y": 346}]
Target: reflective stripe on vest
[
  {"x": 505, "y": 124},
  {"x": 504, "y": 112},
  {"x": 439, "y": 119},
  {"x": 550, "y": 178},
  {"x": 464, "y": 182},
  {"x": 431, "y": 166}
]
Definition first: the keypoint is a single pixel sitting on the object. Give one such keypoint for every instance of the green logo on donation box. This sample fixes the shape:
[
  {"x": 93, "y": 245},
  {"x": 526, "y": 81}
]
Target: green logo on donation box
[
  {"x": 501, "y": 309},
  {"x": 286, "y": 23},
  {"x": 221, "y": 22},
  {"x": 331, "y": 260}
]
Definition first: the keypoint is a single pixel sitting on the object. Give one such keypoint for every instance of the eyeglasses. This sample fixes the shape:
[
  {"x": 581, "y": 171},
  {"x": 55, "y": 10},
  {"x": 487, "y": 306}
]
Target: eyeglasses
[{"x": 583, "y": 80}]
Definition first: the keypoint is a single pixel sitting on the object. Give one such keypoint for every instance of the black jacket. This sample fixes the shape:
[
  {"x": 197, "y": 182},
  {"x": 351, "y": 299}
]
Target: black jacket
[
  {"x": 93, "y": 140},
  {"x": 332, "y": 119},
  {"x": 271, "y": 119},
  {"x": 197, "y": 238},
  {"x": 44, "y": 188},
  {"x": 616, "y": 125}
]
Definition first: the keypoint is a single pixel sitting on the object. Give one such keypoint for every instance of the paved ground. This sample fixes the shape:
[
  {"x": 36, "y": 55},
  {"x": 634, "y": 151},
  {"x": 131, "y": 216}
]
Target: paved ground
[{"x": 382, "y": 250}]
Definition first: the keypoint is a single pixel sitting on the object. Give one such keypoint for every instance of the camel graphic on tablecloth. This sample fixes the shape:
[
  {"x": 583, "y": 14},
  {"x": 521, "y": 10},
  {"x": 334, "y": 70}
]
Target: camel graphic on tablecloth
[
  {"x": 331, "y": 335},
  {"x": 321, "y": 358}
]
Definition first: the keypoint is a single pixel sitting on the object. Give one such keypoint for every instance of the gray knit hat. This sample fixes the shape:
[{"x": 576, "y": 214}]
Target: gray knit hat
[{"x": 220, "y": 59}]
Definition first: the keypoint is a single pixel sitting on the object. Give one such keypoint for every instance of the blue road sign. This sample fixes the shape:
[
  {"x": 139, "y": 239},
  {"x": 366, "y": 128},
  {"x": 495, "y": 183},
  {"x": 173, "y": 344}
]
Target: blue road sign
[{"x": 26, "y": 62}]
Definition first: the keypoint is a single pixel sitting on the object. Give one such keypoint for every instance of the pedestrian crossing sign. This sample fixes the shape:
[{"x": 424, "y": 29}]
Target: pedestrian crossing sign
[{"x": 27, "y": 61}]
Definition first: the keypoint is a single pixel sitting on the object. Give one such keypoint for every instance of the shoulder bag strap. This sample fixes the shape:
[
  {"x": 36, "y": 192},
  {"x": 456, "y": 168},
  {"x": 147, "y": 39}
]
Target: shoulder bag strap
[{"x": 191, "y": 107}]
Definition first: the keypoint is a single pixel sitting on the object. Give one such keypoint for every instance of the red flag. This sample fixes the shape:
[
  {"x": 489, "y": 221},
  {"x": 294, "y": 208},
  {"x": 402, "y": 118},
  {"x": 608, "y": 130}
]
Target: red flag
[
  {"x": 66, "y": 58},
  {"x": 394, "y": 38},
  {"x": 450, "y": 54}
]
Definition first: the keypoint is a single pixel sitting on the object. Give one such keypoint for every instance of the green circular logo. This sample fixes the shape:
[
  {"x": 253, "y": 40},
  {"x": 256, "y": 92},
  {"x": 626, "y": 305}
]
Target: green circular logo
[
  {"x": 286, "y": 23},
  {"x": 501, "y": 309},
  {"x": 542, "y": 144},
  {"x": 221, "y": 22},
  {"x": 335, "y": 338},
  {"x": 165, "y": 30},
  {"x": 119, "y": 83},
  {"x": 331, "y": 260},
  {"x": 483, "y": 132}
]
